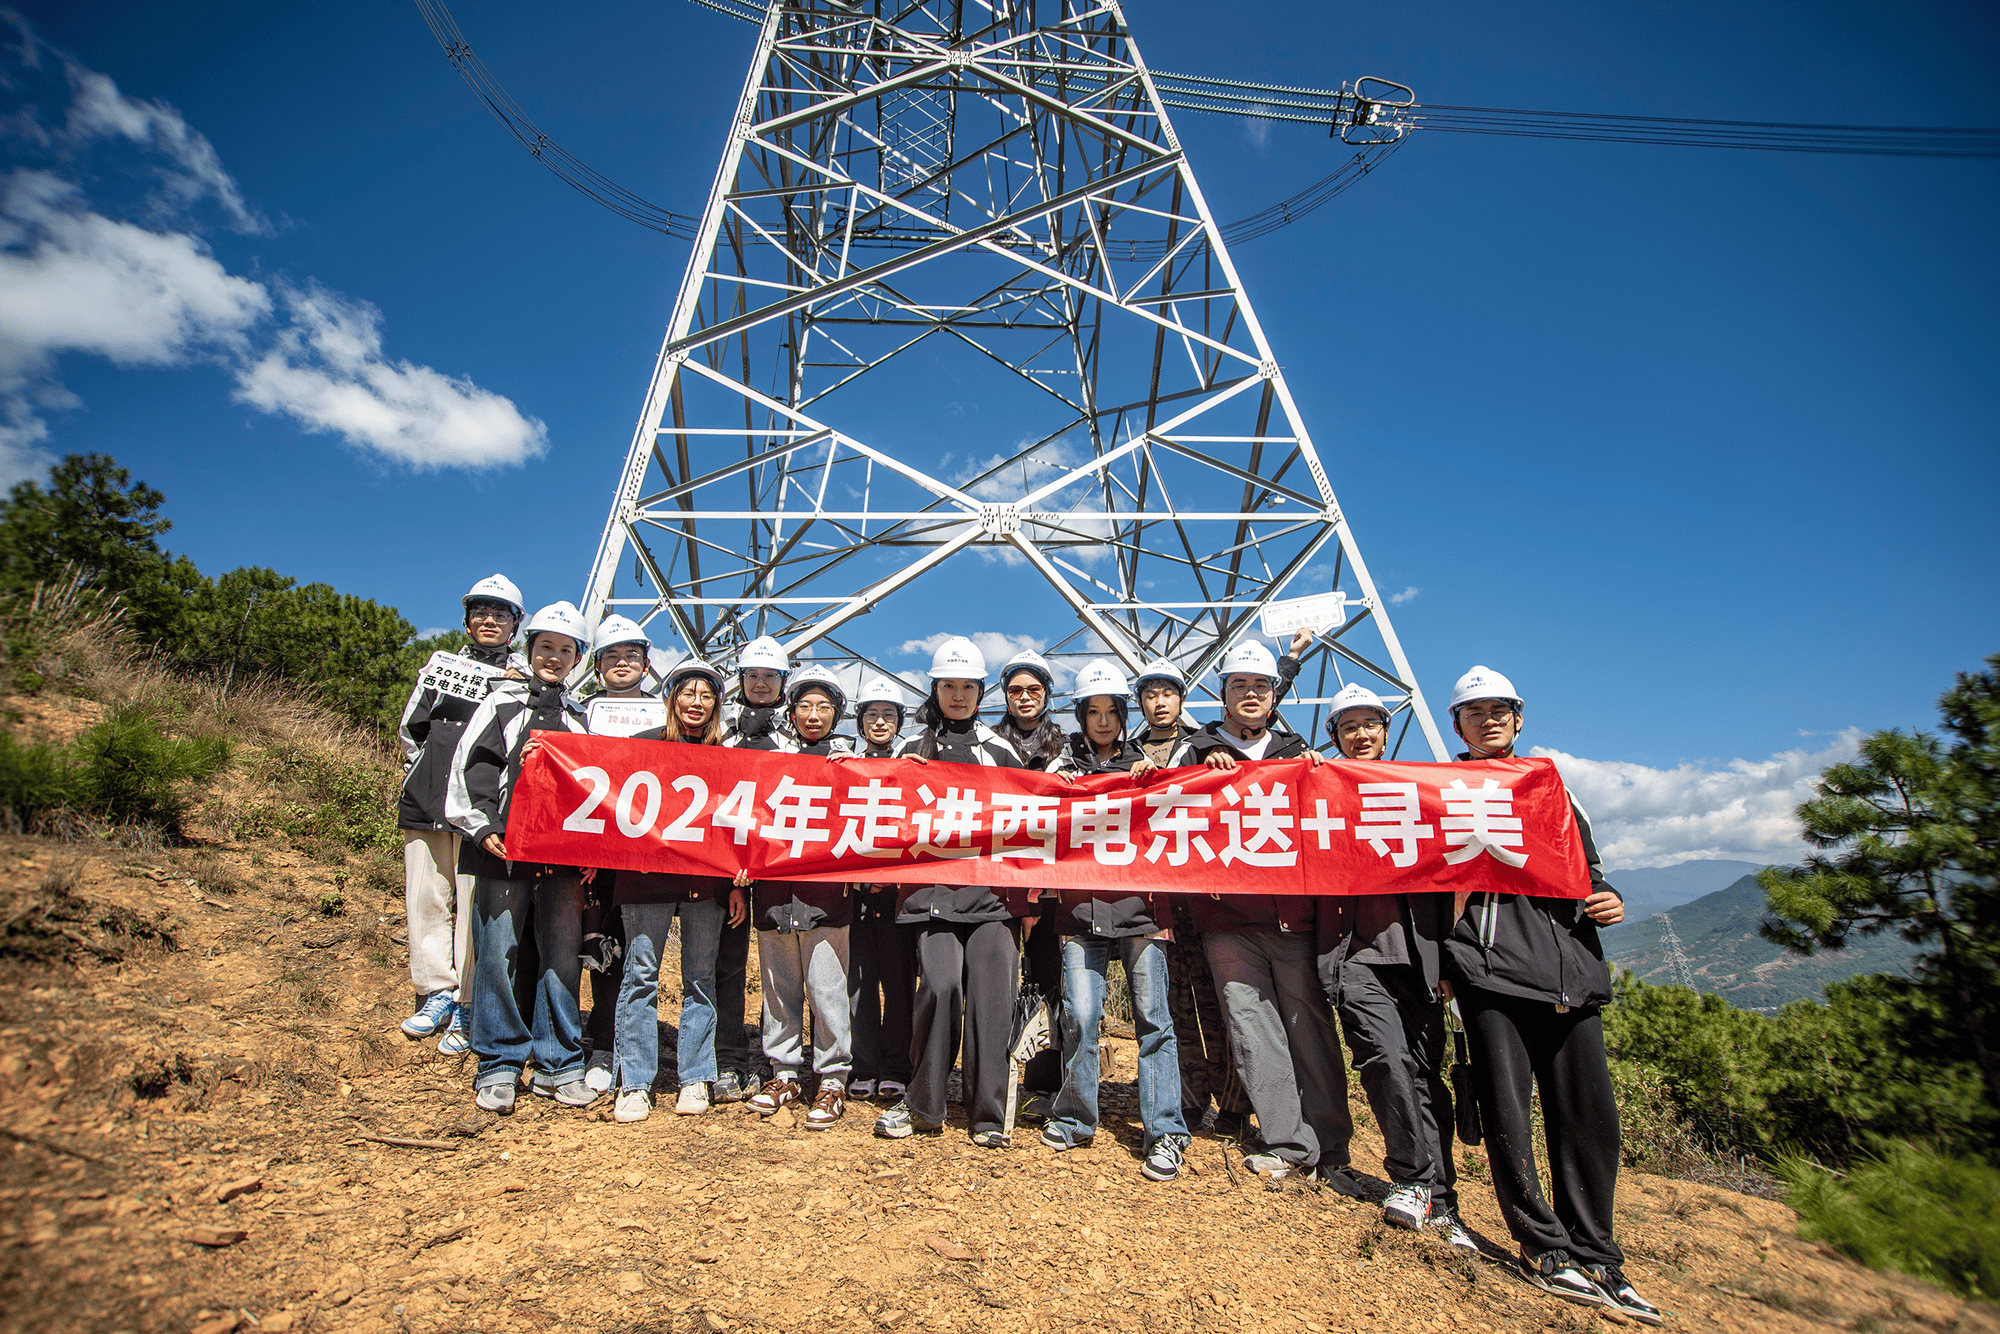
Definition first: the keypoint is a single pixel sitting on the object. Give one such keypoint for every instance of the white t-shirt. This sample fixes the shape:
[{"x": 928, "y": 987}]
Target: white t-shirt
[{"x": 1250, "y": 750}]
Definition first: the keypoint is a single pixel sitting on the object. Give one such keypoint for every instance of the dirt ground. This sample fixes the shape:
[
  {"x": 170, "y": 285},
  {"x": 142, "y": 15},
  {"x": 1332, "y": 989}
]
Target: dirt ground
[{"x": 200, "y": 1090}]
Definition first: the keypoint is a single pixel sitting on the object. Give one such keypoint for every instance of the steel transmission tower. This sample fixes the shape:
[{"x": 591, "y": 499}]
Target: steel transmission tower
[
  {"x": 958, "y": 315},
  {"x": 1678, "y": 968}
]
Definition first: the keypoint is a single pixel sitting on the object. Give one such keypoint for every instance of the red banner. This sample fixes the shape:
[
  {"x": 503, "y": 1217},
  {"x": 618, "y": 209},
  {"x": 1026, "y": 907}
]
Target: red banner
[{"x": 1276, "y": 827}]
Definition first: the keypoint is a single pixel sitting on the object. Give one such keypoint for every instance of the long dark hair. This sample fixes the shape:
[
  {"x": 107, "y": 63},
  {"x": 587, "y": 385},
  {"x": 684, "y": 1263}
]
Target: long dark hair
[
  {"x": 930, "y": 717},
  {"x": 1046, "y": 742}
]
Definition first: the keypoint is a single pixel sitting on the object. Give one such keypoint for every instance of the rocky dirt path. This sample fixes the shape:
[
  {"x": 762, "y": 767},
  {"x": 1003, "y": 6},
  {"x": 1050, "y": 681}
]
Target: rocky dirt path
[{"x": 206, "y": 1138}]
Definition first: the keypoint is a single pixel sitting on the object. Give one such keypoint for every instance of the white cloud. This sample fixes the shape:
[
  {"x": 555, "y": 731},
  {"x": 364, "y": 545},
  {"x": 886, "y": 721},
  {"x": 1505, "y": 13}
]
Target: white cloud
[
  {"x": 327, "y": 372},
  {"x": 1406, "y": 595},
  {"x": 74, "y": 279},
  {"x": 1644, "y": 816}
]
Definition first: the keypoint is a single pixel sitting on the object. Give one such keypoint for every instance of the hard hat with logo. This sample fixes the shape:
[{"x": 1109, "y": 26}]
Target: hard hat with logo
[
  {"x": 1164, "y": 672},
  {"x": 1100, "y": 676},
  {"x": 693, "y": 666},
  {"x": 494, "y": 588},
  {"x": 1353, "y": 696},
  {"x": 881, "y": 690},
  {"x": 560, "y": 618},
  {"x": 615, "y": 630},
  {"x": 812, "y": 676},
  {"x": 1248, "y": 656},
  {"x": 960, "y": 659},
  {"x": 765, "y": 652},
  {"x": 1483, "y": 683},
  {"x": 1027, "y": 660}
]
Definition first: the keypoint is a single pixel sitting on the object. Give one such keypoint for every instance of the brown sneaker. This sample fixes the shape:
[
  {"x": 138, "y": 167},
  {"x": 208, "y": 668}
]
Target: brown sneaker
[
  {"x": 775, "y": 1094},
  {"x": 828, "y": 1106}
]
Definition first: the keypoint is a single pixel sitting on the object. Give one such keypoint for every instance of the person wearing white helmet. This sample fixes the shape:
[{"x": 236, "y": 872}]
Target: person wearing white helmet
[
  {"x": 1260, "y": 950},
  {"x": 620, "y": 652},
  {"x": 1096, "y": 925},
  {"x": 881, "y": 952},
  {"x": 1029, "y": 725},
  {"x": 968, "y": 943},
  {"x": 521, "y": 905},
  {"x": 648, "y": 904},
  {"x": 1531, "y": 982},
  {"x": 437, "y": 900},
  {"x": 1379, "y": 960},
  {"x": 753, "y": 719},
  {"x": 802, "y": 940}
]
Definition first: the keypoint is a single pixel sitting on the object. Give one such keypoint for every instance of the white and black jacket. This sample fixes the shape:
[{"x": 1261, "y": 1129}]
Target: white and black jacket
[
  {"x": 488, "y": 763},
  {"x": 1533, "y": 948},
  {"x": 429, "y": 732},
  {"x": 968, "y": 742}
]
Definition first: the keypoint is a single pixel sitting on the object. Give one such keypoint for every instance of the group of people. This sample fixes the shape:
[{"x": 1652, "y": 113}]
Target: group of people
[{"x": 1234, "y": 997}]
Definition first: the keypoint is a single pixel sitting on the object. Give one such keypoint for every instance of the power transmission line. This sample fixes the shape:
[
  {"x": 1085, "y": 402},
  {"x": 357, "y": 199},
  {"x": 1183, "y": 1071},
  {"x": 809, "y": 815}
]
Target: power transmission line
[{"x": 1678, "y": 967}]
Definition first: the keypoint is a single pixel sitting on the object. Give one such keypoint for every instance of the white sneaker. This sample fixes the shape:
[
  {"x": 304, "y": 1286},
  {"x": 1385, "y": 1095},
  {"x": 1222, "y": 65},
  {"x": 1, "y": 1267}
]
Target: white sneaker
[
  {"x": 632, "y": 1105},
  {"x": 597, "y": 1073},
  {"x": 1407, "y": 1206},
  {"x": 693, "y": 1100},
  {"x": 1269, "y": 1166},
  {"x": 496, "y": 1098}
]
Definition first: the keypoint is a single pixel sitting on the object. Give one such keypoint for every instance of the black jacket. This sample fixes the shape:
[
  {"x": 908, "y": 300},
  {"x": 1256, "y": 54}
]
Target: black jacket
[
  {"x": 1246, "y": 912},
  {"x": 1533, "y": 948},
  {"x": 488, "y": 763},
  {"x": 803, "y": 905},
  {"x": 1111, "y": 915},
  {"x": 432, "y": 725},
  {"x": 969, "y": 742},
  {"x": 1384, "y": 930}
]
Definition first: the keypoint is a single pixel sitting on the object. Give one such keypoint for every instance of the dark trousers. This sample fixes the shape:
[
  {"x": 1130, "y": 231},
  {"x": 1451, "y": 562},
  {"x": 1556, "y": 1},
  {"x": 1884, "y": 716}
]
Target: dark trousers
[
  {"x": 881, "y": 987},
  {"x": 732, "y": 966},
  {"x": 600, "y": 918},
  {"x": 1287, "y": 1049},
  {"x": 1200, "y": 1036},
  {"x": 971, "y": 976},
  {"x": 1396, "y": 1032},
  {"x": 1517, "y": 1045},
  {"x": 1044, "y": 964}
]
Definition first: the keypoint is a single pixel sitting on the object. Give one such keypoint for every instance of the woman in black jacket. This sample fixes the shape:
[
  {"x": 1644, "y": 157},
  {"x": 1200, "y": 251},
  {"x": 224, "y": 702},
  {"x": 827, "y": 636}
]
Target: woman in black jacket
[{"x": 969, "y": 939}]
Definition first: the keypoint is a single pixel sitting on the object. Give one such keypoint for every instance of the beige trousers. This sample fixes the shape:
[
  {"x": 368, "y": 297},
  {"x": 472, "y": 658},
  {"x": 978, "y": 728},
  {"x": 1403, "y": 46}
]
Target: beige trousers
[{"x": 439, "y": 903}]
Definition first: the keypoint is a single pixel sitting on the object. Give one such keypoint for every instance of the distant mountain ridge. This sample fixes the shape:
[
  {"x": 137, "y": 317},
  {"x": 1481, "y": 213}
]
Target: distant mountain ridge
[
  {"x": 1718, "y": 934},
  {"x": 1657, "y": 889}
]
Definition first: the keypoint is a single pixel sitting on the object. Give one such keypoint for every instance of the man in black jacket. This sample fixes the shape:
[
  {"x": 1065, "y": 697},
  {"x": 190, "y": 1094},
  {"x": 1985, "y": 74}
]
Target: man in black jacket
[
  {"x": 1531, "y": 980},
  {"x": 437, "y": 900}
]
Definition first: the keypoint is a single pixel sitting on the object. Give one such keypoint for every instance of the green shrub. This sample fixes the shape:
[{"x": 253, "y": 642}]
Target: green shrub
[
  {"x": 34, "y": 779},
  {"x": 331, "y": 905},
  {"x": 1934, "y": 1215},
  {"x": 129, "y": 769},
  {"x": 348, "y": 806}
]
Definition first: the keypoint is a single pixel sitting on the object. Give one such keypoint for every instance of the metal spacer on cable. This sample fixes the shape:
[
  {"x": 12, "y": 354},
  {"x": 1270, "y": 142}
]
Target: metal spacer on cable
[{"x": 1000, "y": 520}]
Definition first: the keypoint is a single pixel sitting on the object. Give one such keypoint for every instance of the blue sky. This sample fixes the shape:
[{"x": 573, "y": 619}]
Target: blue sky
[{"x": 1698, "y": 446}]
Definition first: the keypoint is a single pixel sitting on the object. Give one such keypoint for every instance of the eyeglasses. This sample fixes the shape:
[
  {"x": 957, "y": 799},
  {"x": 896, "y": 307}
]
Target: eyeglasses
[
  {"x": 1479, "y": 714},
  {"x": 1256, "y": 687},
  {"x": 488, "y": 611},
  {"x": 1367, "y": 725},
  {"x": 622, "y": 657},
  {"x": 1024, "y": 692}
]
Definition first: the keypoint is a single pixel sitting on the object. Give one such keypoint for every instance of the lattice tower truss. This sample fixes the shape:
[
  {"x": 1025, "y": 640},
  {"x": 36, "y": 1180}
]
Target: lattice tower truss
[{"x": 958, "y": 316}]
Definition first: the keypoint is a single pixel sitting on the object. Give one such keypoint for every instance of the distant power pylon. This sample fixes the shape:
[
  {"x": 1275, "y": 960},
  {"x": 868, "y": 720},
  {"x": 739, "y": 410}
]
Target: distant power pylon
[
  {"x": 1678, "y": 967},
  {"x": 960, "y": 330}
]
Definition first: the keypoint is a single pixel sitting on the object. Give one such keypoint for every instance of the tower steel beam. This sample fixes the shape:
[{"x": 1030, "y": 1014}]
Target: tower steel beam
[{"x": 1004, "y": 173}]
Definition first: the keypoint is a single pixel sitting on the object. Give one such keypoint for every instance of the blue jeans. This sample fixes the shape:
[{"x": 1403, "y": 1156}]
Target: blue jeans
[
  {"x": 638, "y": 1040},
  {"x": 545, "y": 918},
  {"x": 1086, "y": 961}
]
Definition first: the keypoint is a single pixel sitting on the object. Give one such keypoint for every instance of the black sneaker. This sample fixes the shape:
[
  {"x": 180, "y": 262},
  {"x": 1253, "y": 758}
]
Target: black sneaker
[
  {"x": 1611, "y": 1280},
  {"x": 1554, "y": 1271},
  {"x": 1163, "y": 1160}
]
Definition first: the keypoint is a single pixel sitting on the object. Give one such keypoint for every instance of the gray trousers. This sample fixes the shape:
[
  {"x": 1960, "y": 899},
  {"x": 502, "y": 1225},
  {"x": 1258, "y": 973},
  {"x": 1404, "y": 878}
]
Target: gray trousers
[
  {"x": 971, "y": 976},
  {"x": 1397, "y": 1034},
  {"x": 1286, "y": 1049},
  {"x": 802, "y": 966}
]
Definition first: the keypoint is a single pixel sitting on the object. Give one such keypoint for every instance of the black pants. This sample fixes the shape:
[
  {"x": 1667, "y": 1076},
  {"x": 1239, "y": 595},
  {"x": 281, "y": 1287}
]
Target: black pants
[
  {"x": 1517, "y": 1045},
  {"x": 600, "y": 918},
  {"x": 732, "y": 964},
  {"x": 881, "y": 983},
  {"x": 1396, "y": 1032},
  {"x": 971, "y": 976},
  {"x": 1043, "y": 957}
]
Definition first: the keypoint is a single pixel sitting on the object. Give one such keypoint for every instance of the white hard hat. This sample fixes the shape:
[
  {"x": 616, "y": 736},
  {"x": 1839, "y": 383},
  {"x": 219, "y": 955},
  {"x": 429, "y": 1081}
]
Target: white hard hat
[
  {"x": 613, "y": 630},
  {"x": 763, "y": 651},
  {"x": 1483, "y": 683},
  {"x": 1100, "y": 676},
  {"x": 958, "y": 658},
  {"x": 560, "y": 618},
  {"x": 1027, "y": 660},
  {"x": 1161, "y": 670},
  {"x": 814, "y": 676},
  {"x": 1248, "y": 655},
  {"x": 494, "y": 588},
  {"x": 692, "y": 666},
  {"x": 880, "y": 690},
  {"x": 1354, "y": 696}
]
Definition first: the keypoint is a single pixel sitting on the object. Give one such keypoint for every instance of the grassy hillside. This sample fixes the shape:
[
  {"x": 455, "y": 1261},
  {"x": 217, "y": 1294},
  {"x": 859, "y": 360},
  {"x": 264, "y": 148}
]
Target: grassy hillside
[
  {"x": 1718, "y": 933},
  {"x": 1657, "y": 889}
]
